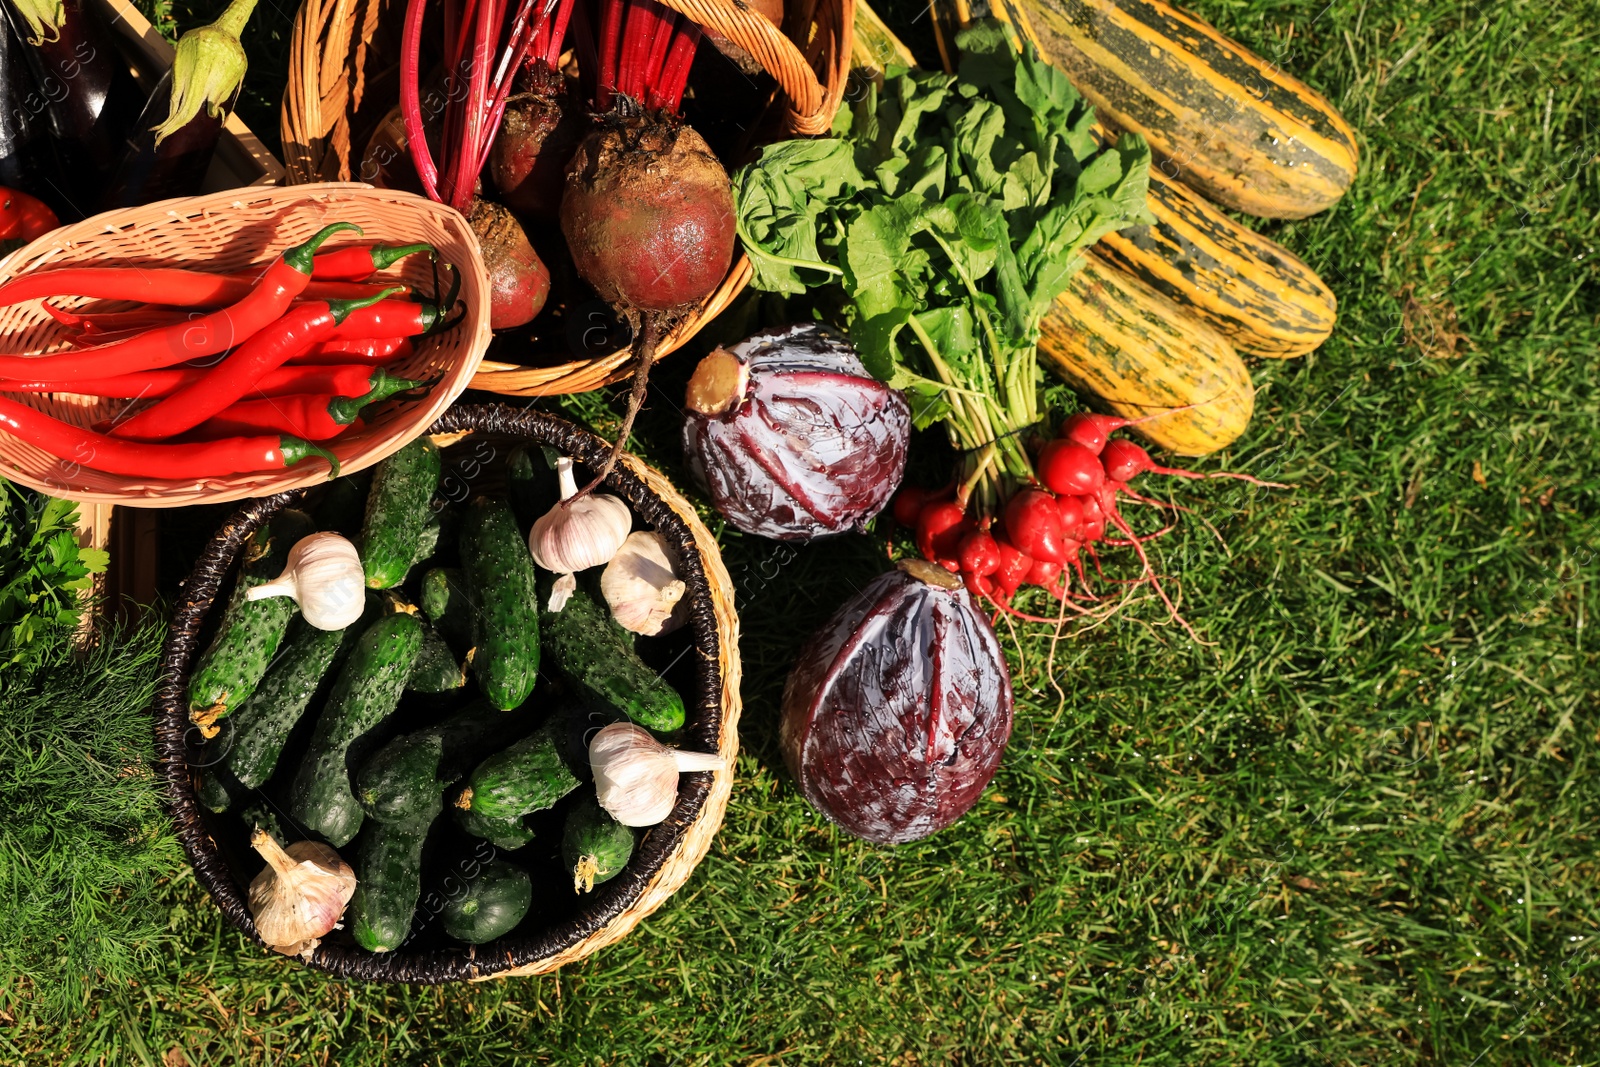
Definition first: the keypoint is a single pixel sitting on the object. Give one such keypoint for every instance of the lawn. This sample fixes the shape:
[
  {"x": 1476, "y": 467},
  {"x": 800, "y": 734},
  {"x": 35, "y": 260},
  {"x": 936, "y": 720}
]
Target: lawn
[{"x": 1358, "y": 828}]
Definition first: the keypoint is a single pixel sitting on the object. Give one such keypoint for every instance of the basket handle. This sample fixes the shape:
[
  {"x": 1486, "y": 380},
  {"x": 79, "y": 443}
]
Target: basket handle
[{"x": 811, "y": 103}]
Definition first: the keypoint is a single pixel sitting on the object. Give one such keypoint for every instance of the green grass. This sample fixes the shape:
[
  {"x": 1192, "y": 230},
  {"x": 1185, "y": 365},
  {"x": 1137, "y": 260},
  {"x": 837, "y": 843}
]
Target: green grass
[{"x": 1359, "y": 829}]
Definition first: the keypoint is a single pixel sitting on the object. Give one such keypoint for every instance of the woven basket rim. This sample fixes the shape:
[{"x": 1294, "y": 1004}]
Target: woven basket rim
[{"x": 667, "y": 853}]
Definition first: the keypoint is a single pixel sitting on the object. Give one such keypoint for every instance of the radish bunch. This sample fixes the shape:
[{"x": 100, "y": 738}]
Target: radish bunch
[{"x": 1047, "y": 528}]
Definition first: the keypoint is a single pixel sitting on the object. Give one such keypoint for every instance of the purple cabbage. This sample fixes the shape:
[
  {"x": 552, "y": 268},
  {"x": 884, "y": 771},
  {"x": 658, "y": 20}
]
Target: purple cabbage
[
  {"x": 791, "y": 437},
  {"x": 898, "y": 711}
]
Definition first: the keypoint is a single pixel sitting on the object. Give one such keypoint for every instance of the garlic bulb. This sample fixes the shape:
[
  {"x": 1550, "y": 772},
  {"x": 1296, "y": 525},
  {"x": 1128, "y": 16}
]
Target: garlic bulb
[
  {"x": 643, "y": 588},
  {"x": 299, "y": 895},
  {"x": 636, "y": 776},
  {"x": 574, "y": 537},
  {"x": 325, "y": 578}
]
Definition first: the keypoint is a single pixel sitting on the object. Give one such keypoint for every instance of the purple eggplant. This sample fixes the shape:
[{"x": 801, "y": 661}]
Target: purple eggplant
[
  {"x": 84, "y": 91},
  {"x": 791, "y": 437},
  {"x": 898, "y": 711},
  {"x": 25, "y": 161}
]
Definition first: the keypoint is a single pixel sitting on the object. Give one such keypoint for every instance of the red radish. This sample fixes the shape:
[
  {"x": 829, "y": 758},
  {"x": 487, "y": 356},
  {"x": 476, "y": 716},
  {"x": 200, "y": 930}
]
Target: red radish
[
  {"x": 908, "y": 504},
  {"x": 1034, "y": 525},
  {"x": 940, "y": 528},
  {"x": 1125, "y": 460},
  {"x": 1090, "y": 430},
  {"x": 1069, "y": 468},
  {"x": 978, "y": 585},
  {"x": 979, "y": 554},
  {"x": 519, "y": 282},
  {"x": 1070, "y": 508},
  {"x": 1044, "y": 572},
  {"x": 1013, "y": 569},
  {"x": 1090, "y": 531},
  {"x": 648, "y": 209}
]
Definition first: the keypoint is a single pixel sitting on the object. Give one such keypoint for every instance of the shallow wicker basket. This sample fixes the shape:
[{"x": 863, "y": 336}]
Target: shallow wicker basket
[
  {"x": 342, "y": 64},
  {"x": 667, "y": 853},
  {"x": 230, "y": 231}
]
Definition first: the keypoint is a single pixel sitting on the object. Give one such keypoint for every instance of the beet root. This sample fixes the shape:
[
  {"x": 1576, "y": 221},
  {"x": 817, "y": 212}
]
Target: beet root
[
  {"x": 648, "y": 215},
  {"x": 519, "y": 282},
  {"x": 791, "y": 437},
  {"x": 899, "y": 709},
  {"x": 538, "y": 135}
]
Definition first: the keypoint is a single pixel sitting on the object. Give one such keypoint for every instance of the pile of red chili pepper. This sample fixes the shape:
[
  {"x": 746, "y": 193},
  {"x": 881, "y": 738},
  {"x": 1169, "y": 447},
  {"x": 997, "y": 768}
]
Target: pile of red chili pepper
[{"x": 225, "y": 373}]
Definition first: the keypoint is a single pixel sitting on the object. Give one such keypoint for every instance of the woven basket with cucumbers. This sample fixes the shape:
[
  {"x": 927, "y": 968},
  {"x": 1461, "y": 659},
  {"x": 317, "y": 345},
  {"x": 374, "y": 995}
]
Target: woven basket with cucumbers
[{"x": 435, "y": 725}]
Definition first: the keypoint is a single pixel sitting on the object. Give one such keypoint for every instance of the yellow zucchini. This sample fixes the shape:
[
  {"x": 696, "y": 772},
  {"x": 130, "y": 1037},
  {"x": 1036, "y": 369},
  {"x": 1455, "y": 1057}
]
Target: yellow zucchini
[
  {"x": 1113, "y": 336},
  {"x": 1218, "y": 117}
]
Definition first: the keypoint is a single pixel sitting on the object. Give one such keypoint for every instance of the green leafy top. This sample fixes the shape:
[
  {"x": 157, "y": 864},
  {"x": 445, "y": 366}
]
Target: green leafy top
[
  {"x": 43, "y": 571},
  {"x": 953, "y": 210}
]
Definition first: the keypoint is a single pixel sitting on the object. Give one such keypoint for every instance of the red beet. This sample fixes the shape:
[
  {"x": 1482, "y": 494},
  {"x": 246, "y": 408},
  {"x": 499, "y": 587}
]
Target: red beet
[
  {"x": 898, "y": 711},
  {"x": 791, "y": 437},
  {"x": 519, "y": 282},
  {"x": 537, "y": 138},
  {"x": 648, "y": 215}
]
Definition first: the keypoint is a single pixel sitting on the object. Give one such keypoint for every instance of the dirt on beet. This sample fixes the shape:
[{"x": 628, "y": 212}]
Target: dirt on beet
[
  {"x": 542, "y": 127},
  {"x": 519, "y": 282}
]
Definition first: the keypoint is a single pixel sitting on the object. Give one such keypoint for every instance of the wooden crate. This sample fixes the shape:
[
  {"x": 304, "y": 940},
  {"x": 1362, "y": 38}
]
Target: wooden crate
[{"x": 130, "y": 535}]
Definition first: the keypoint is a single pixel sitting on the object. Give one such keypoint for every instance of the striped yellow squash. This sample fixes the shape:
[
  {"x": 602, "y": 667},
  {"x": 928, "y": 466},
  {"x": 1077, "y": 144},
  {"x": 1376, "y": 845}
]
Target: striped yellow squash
[
  {"x": 1253, "y": 291},
  {"x": 1113, "y": 336},
  {"x": 1219, "y": 118}
]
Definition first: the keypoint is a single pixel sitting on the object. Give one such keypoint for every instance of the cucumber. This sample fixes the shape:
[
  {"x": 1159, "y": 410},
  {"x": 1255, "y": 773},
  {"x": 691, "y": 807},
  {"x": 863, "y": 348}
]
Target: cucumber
[
  {"x": 365, "y": 694},
  {"x": 246, "y": 752},
  {"x": 596, "y": 658},
  {"x": 444, "y": 601},
  {"x": 501, "y": 594},
  {"x": 437, "y": 670},
  {"x": 491, "y": 904},
  {"x": 594, "y": 846},
  {"x": 427, "y": 541},
  {"x": 531, "y": 483},
  {"x": 530, "y": 775},
  {"x": 343, "y": 504},
  {"x": 388, "y": 883},
  {"x": 507, "y": 833},
  {"x": 248, "y": 637},
  {"x": 397, "y": 511},
  {"x": 404, "y": 780}
]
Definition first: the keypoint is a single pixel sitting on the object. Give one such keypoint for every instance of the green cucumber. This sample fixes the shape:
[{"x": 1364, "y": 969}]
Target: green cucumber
[
  {"x": 596, "y": 658},
  {"x": 501, "y": 592},
  {"x": 492, "y": 903},
  {"x": 251, "y": 630},
  {"x": 246, "y": 752},
  {"x": 427, "y": 541},
  {"x": 437, "y": 670},
  {"x": 397, "y": 510},
  {"x": 594, "y": 846},
  {"x": 365, "y": 693},
  {"x": 531, "y": 484},
  {"x": 444, "y": 601},
  {"x": 507, "y": 833},
  {"x": 530, "y": 775},
  {"x": 388, "y": 883},
  {"x": 404, "y": 780}
]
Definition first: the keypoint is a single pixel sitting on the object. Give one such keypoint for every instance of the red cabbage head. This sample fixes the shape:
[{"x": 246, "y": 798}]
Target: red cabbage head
[
  {"x": 899, "y": 709},
  {"x": 791, "y": 437}
]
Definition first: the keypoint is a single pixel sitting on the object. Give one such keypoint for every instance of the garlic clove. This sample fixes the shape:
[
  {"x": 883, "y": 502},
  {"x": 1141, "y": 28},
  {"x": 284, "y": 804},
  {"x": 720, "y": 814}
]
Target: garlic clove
[
  {"x": 300, "y": 895},
  {"x": 325, "y": 577},
  {"x": 562, "y": 591},
  {"x": 642, "y": 587},
  {"x": 636, "y": 776},
  {"x": 575, "y": 536}
]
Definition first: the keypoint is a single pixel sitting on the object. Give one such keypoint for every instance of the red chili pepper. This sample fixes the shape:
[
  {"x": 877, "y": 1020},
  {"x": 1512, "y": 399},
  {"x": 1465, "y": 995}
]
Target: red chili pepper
[
  {"x": 391, "y": 318},
  {"x": 77, "y": 447},
  {"x": 23, "y": 217},
  {"x": 357, "y": 263},
  {"x": 163, "y": 286},
  {"x": 374, "y": 351},
  {"x": 347, "y": 379},
  {"x": 315, "y": 417},
  {"x": 235, "y": 376},
  {"x": 205, "y": 336},
  {"x": 113, "y": 321}
]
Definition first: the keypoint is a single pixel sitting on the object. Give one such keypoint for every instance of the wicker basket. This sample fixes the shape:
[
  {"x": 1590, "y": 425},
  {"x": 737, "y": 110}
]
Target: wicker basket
[
  {"x": 343, "y": 77},
  {"x": 668, "y": 851},
  {"x": 224, "y": 232}
]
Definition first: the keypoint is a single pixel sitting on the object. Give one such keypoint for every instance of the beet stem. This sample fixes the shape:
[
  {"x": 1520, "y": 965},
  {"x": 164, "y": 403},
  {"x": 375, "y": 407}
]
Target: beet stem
[
  {"x": 675, "y": 78},
  {"x": 411, "y": 102},
  {"x": 609, "y": 46},
  {"x": 644, "y": 354},
  {"x": 558, "y": 35}
]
